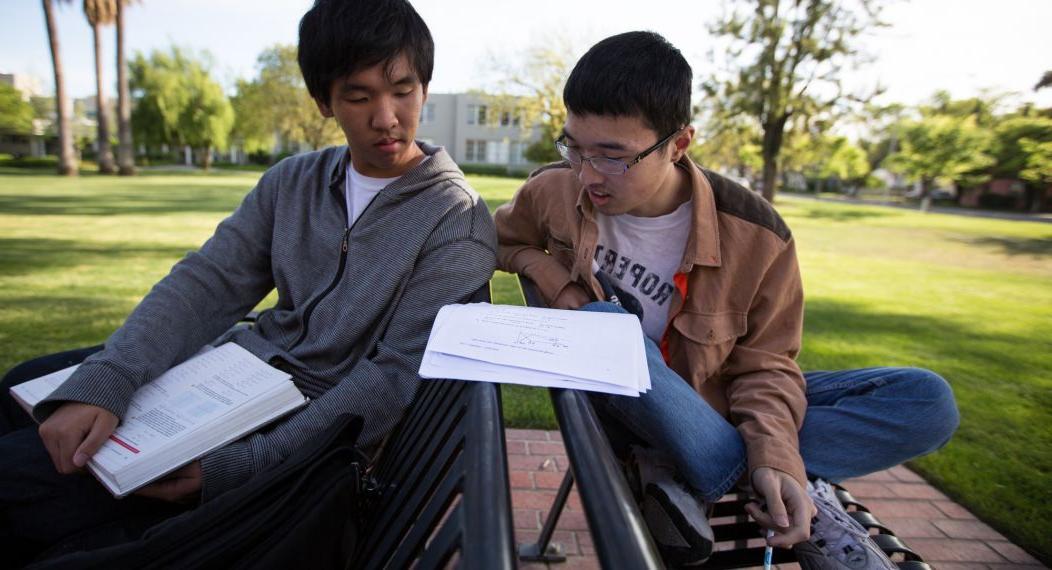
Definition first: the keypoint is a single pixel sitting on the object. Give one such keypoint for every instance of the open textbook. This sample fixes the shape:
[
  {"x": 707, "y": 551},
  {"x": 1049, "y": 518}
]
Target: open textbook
[
  {"x": 211, "y": 399},
  {"x": 601, "y": 352}
]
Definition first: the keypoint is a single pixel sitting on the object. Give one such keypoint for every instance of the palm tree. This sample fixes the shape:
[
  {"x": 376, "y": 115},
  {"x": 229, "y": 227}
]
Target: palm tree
[
  {"x": 67, "y": 165},
  {"x": 101, "y": 13},
  {"x": 125, "y": 156}
]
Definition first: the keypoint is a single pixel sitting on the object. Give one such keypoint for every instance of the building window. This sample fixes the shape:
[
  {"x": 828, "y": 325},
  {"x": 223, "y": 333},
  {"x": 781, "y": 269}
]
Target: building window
[
  {"x": 427, "y": 114},
  {"x": 476, "y": 114},
  {"x": 518, "y": 153},
  {"x": 476, "y": 151}
]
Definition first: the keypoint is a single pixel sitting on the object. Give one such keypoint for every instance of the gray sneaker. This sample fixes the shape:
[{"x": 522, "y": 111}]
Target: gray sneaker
[
  {"x": 837, "y": 541},
  {"x": 677, "y": 520}
]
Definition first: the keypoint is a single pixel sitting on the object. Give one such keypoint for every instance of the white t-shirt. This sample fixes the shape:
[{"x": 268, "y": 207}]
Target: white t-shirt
[
  {"x": 361, "y": 189},
  {"x": 641, "y": 255}
]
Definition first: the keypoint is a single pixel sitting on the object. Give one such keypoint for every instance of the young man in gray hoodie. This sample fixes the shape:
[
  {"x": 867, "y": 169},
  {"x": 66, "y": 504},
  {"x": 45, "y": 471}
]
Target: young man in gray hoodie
[{"x": 364, "y": 244}]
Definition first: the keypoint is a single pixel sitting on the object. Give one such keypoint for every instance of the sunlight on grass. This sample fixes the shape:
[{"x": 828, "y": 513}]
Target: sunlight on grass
[{"x": 970, "y": 298}]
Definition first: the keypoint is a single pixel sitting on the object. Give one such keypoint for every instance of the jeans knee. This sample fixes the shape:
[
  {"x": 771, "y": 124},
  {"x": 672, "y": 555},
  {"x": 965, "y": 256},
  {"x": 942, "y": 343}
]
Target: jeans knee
[
  {"x": 941, "y": 417},
  {"x": 603, "y": 307}
]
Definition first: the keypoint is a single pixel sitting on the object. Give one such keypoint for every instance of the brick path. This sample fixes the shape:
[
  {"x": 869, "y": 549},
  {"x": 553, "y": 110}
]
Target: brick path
[{"x": 941, "y": 531}]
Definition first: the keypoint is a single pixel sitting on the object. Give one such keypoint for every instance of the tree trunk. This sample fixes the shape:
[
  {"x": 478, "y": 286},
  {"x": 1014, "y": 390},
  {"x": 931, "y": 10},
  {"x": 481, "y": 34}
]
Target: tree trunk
[
  {"x": 206, "y": 158},
  {"x": 125, "y": 149},
  {"x": 105, "y": 157},
  {"x": 771, "y": 148},
  {"x": 67, "y": 165},
  {"x": 925, "y": 204}
]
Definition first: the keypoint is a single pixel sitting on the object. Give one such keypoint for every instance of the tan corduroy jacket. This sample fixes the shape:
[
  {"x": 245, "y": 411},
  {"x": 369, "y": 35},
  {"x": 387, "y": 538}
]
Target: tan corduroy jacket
[{"x": 736, "y": 319}]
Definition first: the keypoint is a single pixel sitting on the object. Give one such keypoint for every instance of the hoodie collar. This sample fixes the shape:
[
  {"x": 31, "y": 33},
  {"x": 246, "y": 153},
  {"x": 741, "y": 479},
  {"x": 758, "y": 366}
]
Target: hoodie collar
[{"x": 439, "y": 166}]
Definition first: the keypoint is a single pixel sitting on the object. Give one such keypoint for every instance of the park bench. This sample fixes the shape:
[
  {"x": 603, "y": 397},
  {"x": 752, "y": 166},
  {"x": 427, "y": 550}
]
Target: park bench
[
  {"x": 438, "y": 495},
  {"x": 620, "y": 536}
]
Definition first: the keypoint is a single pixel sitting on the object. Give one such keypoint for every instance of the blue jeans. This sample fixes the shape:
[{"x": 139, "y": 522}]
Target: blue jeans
[
  {"x": 857, "y": 422},
  {"x": 39, "y": 507}
]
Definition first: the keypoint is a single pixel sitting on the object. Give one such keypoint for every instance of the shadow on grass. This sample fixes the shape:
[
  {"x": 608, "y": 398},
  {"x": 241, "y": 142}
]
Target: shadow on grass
[
  {"x": 36, "y": 325},
  {"x": 1033, "y": 247},
  {"x": 155, "y": 199},
  {"x": 20, "y": 256}
]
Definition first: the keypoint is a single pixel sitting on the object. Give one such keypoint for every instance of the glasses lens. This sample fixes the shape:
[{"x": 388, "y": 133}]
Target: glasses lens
[
  {"x": 567, "y": 153},
  {"x": 608, "y": 165}
]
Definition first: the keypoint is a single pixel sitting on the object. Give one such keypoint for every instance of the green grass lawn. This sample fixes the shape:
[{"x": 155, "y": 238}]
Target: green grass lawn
[{"x": 970, "y": 298}]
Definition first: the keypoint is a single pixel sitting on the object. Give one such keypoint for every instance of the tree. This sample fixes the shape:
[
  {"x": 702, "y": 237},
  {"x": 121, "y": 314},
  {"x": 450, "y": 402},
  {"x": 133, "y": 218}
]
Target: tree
[
  {"x": 942, "y": 147},
  {"x": 277, "y": 102},
  {"x": 16, "y": 114},
  {"x": 1023, "y": 149},
  {"x": 125, "y": 150},
  {"x": 101, "y": 13},
  {"x": 178, "y": 103},
  {"x": 785, "y": 59},
  {"x": 67, "y": 161},
  {"x": 729, "y": 146},
  {"x": 533, "y": 88},
  {"x": 1045, "y": 81}
]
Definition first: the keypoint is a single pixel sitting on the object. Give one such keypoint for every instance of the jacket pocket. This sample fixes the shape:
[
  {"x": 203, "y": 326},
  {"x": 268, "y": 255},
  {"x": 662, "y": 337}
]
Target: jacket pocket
[
  {"x": 562, "y": 250},
  {"x": 711, "y": 328},
  {"x": 705, "y": 342}
]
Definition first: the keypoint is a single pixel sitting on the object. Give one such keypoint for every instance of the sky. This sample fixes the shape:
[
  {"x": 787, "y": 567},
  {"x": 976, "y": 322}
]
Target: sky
[{"x": 963, "y": 46}]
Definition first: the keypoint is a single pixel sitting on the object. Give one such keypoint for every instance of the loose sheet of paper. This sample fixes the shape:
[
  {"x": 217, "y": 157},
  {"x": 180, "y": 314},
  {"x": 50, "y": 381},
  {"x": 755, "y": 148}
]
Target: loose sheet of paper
[{"x": 538, "y": 347}]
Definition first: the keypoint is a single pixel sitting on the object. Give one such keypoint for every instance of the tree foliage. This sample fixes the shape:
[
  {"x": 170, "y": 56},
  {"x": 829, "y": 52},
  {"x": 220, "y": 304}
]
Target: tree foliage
[
  {"x": 277, "y": 103},
  {"x": 16, "y": 114},
  {"x": 533, "y": 88},
  {"x": 943, "y": 148},
  {"x": 729, "y": 146},
  {"x": 785, "y": 59},
  {"x": 178, "y": 103}
]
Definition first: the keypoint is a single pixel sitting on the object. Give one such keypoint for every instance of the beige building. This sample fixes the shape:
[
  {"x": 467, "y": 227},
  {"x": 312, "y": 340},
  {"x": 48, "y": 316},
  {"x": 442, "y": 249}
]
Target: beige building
[{"x": 476, "y": 130}]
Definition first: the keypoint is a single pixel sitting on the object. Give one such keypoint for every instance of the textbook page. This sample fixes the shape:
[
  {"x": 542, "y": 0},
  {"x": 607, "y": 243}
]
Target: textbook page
[
  {"x": 31, "y": 392},
  {"x": 186, "y": 398}
]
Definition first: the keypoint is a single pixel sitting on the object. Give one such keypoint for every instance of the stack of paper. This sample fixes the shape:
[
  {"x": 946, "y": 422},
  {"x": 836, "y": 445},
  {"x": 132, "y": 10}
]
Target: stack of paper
[{"x": 601, "y": 352}]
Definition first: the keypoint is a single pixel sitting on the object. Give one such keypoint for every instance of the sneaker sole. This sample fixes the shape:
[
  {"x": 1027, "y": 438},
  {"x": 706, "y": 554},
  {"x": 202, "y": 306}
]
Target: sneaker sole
[{"x": 679, "y": 542}]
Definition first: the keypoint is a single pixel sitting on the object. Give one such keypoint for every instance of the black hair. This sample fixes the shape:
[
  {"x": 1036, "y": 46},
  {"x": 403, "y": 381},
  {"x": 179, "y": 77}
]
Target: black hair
[
  {"x": 633, "y": 74},
  {"x": 341, "y": 37}
]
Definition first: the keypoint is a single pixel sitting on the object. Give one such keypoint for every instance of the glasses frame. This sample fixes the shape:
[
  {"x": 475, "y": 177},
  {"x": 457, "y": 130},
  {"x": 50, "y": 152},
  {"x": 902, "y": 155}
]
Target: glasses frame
[{"x": 564, "y": 151}]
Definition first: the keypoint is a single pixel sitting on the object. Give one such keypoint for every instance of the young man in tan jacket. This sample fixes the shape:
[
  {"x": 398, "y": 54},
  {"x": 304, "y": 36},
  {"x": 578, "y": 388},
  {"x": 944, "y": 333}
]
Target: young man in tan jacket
[{"x": 711, "y": 271}]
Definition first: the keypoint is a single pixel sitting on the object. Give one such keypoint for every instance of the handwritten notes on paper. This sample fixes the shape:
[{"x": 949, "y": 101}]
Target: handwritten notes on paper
[{"x": 602, "y": 352}]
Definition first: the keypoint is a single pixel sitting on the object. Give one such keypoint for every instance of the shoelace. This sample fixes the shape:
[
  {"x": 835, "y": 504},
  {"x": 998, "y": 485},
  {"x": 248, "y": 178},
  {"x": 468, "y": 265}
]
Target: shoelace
[{"x": 833, "y": 531}]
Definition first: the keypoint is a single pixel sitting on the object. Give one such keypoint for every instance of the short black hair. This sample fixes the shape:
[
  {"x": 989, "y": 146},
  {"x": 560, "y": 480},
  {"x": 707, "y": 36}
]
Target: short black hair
[
  {"x": 341, "y": 37},
  {"x": 633, "y": 74}
]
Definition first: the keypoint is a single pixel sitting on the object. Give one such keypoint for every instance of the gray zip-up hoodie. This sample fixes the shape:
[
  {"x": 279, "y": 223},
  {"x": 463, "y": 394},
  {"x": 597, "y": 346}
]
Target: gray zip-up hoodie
[{"x": 355, "y": 305}]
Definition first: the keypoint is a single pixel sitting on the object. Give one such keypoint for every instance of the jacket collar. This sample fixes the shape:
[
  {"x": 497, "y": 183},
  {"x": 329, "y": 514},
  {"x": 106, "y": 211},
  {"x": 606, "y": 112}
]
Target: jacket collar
[{"x": 703, "y": 243}]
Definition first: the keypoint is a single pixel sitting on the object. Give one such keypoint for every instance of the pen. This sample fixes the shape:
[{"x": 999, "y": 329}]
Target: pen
[{"x": 767, "y": 552}]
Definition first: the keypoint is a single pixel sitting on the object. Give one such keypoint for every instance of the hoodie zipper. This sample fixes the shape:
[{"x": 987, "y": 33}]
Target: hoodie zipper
[
  {"x": 344, "y": 247},
  {"x": 335, "y": 281}
]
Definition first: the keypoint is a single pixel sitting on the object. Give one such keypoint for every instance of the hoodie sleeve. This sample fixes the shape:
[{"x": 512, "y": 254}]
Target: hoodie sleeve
[
  {"x": 205, "y": 293},
  {"x": 458, "y": 258}
]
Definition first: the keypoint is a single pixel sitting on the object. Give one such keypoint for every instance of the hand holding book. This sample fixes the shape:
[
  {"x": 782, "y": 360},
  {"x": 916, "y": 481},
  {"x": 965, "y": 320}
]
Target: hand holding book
[
  {"x": 74, "y": 433},
  {"x": 211, "y": 399}
]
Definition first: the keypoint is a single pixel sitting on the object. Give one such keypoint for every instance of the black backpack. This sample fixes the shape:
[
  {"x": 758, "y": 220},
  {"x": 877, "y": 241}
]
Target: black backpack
[{"x": 301, "y": 513}]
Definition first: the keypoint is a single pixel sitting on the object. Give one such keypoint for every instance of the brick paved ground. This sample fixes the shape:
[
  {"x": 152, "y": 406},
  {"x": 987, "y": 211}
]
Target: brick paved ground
[{"x": 943, "y": 532}]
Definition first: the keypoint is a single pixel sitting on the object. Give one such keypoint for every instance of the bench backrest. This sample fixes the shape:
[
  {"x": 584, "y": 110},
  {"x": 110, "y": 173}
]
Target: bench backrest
[{"x": 441, "y": 486}]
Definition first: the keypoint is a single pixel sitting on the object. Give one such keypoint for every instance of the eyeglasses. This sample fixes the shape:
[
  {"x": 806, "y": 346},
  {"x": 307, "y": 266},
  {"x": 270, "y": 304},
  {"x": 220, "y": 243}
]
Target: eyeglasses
[{"x": 607, "y": 165}]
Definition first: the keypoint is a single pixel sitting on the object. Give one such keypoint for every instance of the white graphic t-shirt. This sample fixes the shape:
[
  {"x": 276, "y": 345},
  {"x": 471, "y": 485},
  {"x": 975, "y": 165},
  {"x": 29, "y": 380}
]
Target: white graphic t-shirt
[{"x": 641, "y": 255}]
